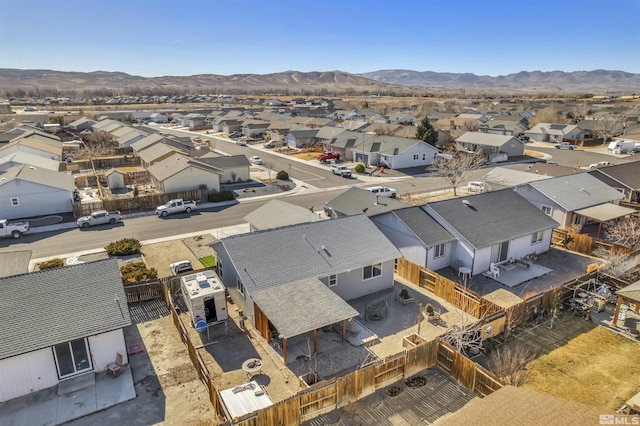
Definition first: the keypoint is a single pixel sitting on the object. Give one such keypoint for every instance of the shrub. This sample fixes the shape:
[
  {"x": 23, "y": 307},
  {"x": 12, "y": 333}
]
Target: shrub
[
  {"x": 359, "y": 168},
  {"x": 53, "y": 263},
  {"x": 217, "y": 197},
  {"x": 123, "y": 247},
  {"x": 282, "y": 175},
  {"x": 137, "y": 271}
]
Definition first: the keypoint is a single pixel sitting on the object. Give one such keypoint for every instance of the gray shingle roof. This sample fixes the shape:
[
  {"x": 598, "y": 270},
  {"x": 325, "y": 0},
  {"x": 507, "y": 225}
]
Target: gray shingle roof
[
  {"x": 278, "y": 213},
  {"x": 574, "y": 192},
  {"x": 628, "y": 174},
  {"x": 177, "y": 163},
  {"x": 487, "y": 139},
  {"x": 44, "y": 308},
  {"x": 355, "y": 201},
  {"x": 492, "y": 217},
  {"x": 266, "y": 259},
  {"x": 288, "y": 306},
  {"x": 40, "y": 176},
  {"x": 430, "y": 232}
]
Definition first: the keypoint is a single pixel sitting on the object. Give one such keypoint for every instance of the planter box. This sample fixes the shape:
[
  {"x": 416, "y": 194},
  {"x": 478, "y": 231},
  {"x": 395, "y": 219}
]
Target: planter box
[
  {"x": 412, "y": 340},
  {"x": 309, "y": 379}
]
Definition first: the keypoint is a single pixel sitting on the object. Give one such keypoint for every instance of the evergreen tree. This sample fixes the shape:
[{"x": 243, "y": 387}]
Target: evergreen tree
[{"x": 426, "y": 132}]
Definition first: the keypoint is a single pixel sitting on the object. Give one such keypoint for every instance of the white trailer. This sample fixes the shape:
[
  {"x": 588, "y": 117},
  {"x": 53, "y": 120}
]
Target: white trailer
[{"x": 204, "y": 295}]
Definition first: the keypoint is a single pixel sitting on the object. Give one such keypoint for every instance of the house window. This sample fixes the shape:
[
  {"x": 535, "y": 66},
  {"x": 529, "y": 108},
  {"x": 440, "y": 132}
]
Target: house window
[
  {"x": 424, "y": 156},
  {"x": 536, "y": 237},
  {"x": 438, "y": 251},
  {"x": 332, "y": 280},
  {"x": 372, "y": 271},
  {"x": 15, "y": 201},
  {"x": 220, "y": 268},
  {"x": 546, "y": 210},
  {"x": 416, "y": 156},
  {"x": 240, "y": 287},
  {"x": 72, "y": 357}
]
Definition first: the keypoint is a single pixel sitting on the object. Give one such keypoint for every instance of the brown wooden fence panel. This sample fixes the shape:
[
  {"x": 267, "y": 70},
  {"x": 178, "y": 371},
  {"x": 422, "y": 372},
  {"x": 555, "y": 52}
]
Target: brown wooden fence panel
[
  {"x": 139, "y": 292},
  {"x": 319, "y": 399},
  {"x": 464, "y": 371},
  {"x": 427, "y": 280},
  {"x": 446, "y": 356},
  {"x": 421, "y": 357},
  {"x": 365, "y": 381},
  {"x": 346, "y": 389},
  {"x": 486, "y": 383},
  {"x": 390, "y": 369},
  {"x": 408, "y": 270}
]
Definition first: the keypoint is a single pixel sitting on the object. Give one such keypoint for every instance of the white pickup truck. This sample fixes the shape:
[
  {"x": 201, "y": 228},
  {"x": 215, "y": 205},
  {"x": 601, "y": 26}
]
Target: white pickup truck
[
  {"x": 176, "y": 206},
  {"x": 13, "y": 229},
  {"x": 343, "y": 171}
]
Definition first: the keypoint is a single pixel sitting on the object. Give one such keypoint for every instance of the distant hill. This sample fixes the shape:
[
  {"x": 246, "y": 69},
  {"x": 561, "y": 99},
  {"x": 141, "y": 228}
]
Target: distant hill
[
  {"x": 534, "y": 81},
  {"x": 395, "y": 82},
  {"x": 293, "y": 81}
]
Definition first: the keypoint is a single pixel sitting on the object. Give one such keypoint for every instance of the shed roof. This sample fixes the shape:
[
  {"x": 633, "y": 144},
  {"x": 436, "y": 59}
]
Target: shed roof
[
  {"x": 289, "y": 306},
  {"x": 63, "y": 304}
]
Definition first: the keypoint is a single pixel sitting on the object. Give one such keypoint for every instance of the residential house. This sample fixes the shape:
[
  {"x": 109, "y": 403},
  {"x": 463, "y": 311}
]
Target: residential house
[
  {"x": 622, "y": 177},
  {"x": 503, "y": 127},
  {"x": 495, "y": 148},
  {"x": 126, "y": 138},
  {"x": 492, "y": 227},
  {"x": 28, "y": 191},
  {"x": 401, "y": 153},
  {"x": 382, "y": 128},
  {"x": 80, "y": 312},
  {"x": 401, "y": 117},
  {"x": 81, "y": 124},
  {"x": 356, "y": 201},
  {"x": 569, "y": 199},
  {"x": 157, "y": 117},
  {"x": 340, "y": 140},
  {"x": 158, "y": 152},
  {"x": 278, "y": 213},
  {"x": 107, "y": 125},
  {"x": 254, "y": 128},
  {"x": 179, "y": 173},
  {"x": 301, "y": 138},
  {"x": 420, "y": 239},
  {"x": 544, "y": 169},
  {"x": 556, "y": 133},
  {"x": 22, "y": 157},
  {"x": 277, "y": 130},
  {"x": 234, "y": 168},
  {"x": 304, "y": 284},
  {"x": 34, "y": 145},
  {"x": 193, "y": 120}
]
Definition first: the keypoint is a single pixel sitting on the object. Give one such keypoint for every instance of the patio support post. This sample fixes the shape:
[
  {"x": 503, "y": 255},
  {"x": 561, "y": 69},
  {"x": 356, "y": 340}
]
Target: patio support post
[
  {"x": 344, "y": 329},
  {"x": 617, "y": 311},
  {"x": 315, "y": 340},
  {"x": 284, "y": 349}
]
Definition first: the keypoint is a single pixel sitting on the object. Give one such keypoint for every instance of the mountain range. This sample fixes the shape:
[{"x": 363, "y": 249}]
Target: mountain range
[{"x": 395, "y": 82}]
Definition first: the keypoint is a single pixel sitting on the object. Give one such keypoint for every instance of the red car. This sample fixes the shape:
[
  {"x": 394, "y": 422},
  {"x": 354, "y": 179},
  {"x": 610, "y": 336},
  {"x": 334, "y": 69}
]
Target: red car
[{"x": 328, "y": 156}]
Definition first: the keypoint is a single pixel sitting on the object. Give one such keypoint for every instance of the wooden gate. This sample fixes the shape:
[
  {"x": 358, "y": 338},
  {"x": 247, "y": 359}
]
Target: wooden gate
[
  {"x": 139, "y": 292},
  {"x": 318, "y": 400}
]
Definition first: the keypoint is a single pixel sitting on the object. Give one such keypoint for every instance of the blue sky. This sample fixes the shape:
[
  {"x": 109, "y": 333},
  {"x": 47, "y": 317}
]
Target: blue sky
[{"x": 186, "y": 37}]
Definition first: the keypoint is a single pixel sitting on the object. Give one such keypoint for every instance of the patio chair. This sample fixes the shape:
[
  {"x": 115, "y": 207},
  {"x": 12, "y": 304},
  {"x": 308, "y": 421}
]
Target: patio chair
[
  {"x": 115, "y": 368},
  {"x": 494, "y": 271}
]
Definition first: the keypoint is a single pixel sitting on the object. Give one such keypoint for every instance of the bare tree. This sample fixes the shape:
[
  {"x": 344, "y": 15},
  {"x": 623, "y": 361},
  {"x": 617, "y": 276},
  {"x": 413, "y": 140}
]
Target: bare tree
[
  {"x": 625, "y": 232},
  {"x": 510, "y": 362},
  {"x": 618, "y": 265},
  {"x": 456, "y": 166},
  {"x": 607, "y": 126},
  {"x": 549, "y": 114},
  {"x": 269, "y": 166}
]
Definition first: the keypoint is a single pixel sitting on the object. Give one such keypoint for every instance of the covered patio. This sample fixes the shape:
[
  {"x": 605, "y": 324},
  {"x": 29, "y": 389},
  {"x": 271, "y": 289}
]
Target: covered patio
[
  {"x": 627, "y": 309},
  {"x": 296, "y": 308},
  {"x": 600, "y": 214}
]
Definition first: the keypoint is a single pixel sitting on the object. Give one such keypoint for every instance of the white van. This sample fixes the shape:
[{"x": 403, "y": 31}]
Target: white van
[
  {"x": 621, "y": 146},
  {"x": 475, "y": 187}
]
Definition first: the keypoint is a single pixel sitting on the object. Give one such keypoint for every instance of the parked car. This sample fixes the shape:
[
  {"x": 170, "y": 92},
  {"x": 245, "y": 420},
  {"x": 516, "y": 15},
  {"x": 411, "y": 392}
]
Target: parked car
[
  {"x": 241, "y": 142},
  {"x": 270, "y": 144},
  {"x": 176, "y": 206},
  {"x": 599, "y": 164},
  {"x": 475, "y": 187},
  {"x": 565, "y": 145},
  {"x": 180, "y": 267},
  {"x": 383, "y": 191},
  {"x": 343, "y": 171},
  {"x": 99, "y": 217},
  {"x": 235, "y": 134},
  {"x": 255, "y": 160},
  {"x": 13, "y": 229}
]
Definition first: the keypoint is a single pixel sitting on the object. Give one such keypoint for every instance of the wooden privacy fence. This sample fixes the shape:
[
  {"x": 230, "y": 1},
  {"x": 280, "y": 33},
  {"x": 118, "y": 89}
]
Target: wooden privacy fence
[
  {"x": 583, "y": 243},
  {"x": 140, "y": 292},
  {"x": 462, "y": 298},
  {"x": 141, "y": 202},
  {"x": 469, "y": 374}
]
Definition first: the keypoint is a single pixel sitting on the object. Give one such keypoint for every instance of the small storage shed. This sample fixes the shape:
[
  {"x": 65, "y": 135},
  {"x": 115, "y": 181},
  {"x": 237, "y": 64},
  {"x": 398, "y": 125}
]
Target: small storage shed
[{"x": 115, "y": 179}]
